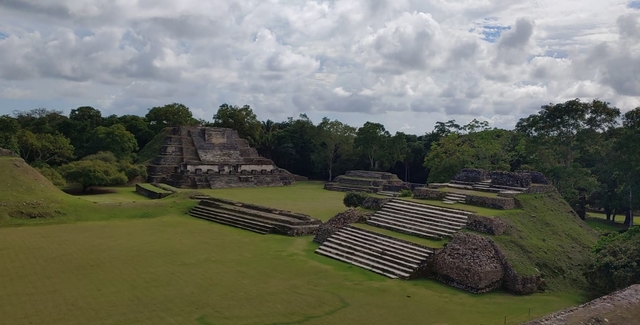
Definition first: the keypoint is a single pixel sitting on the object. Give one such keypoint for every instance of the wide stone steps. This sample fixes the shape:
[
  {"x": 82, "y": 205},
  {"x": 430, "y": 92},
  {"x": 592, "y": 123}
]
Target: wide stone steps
[
  {"x": 419, "y": 221},
  {"x": 425, "y": 213},
  {"x": 350, "y": 188},
  {"x": 452, "y": 198},
  {"x": 233, "y": 222},
  {"x": 390, "y": 257},
  {"x": 249, "y": 215},
  {"x": 389, "y": 193}
]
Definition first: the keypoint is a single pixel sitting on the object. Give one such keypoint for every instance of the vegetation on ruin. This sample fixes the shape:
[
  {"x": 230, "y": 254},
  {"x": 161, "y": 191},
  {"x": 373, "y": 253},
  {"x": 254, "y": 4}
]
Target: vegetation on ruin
[{"x": 547, "y": 237}]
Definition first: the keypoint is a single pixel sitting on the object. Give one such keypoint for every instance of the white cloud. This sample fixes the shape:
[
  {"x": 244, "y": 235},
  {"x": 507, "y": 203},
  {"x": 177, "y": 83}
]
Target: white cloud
[{"x": 404, "y": 63}]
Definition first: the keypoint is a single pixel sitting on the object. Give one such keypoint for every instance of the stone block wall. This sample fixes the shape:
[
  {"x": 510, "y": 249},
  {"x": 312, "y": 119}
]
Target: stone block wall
[
  {"x": 502, "y": 203},
  {"x": 469, "y": 262},
  {"x": 536, "y": 177},
  {"x": 540, "y": 189},
  {"x": 515, "y": 283},
  {"x": 471, "y": 175},
  {"x": 426, "y": 193},
  {"x": 510, "y": 179},
  {"x": 374, "y": 203},
  {"x": 336, "y": 223},
  {"x": 486, "y": 225}
]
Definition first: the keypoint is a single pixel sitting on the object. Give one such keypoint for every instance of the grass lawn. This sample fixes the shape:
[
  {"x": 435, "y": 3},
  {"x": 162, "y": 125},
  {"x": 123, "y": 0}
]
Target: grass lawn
[
  {"x": 177, "y": 269},
  {"x": 413, "y": 239},
  {"x": 304, "y": 197},
  {"x": 600, "y": 220}
]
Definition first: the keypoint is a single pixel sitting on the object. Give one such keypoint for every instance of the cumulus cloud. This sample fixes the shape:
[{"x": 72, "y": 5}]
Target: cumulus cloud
[{"x": 404, "y": 63}]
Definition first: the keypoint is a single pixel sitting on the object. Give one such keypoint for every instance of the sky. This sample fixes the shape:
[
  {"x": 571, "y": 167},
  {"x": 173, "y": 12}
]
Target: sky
[{"x": 403, "y": 63}]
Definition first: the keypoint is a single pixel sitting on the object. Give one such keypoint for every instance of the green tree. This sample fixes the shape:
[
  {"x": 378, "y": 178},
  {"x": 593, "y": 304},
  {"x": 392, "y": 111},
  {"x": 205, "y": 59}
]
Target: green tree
[
  {"x": 268, "y": 138},
  {"x": 89, "y": 173},
  {"x": 41, "y": 120},
  {"x": 139, "y": 127},
  {"x": 130, "y": 170},
  {"x": 169, "y": 115},
  {"x": 115, "y": 139},
  {"x": 9, "y": 129},
  {"x": 45, "y": 148},
  {"x": 335, "y": 141},
  {"x": 372, "y": 139},
  {"x": 241, "y": 119},
  {"x": 80, "y": 126}
]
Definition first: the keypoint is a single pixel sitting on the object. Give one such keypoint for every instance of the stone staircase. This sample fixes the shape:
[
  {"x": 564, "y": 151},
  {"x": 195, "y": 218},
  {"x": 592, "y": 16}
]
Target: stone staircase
[
  {"x": 421, "y": 220},
  {"x": 381, "y": 254},
  {"x": 262, "y": 220},
  {"x": 453, "y": 198},
  {"x": 484, "y": 185},
  {"x": 341, "y": 187},
  {"x": 389, "y": 193}
]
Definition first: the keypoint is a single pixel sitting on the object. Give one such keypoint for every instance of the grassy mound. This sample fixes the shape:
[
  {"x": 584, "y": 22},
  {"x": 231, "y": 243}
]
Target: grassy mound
[
  {"x": 152, "y": 148},
  {"x": 547, "y": 237},
  {"x": 25, "y": 193}
]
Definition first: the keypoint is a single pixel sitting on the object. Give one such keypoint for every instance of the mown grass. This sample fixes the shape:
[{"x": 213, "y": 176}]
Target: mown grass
[
  {"x": 409, "y": 238},
  {"x": 547, "y": 238},
  {"x": 181, "y": 270},
  {"x": 304, "y": 197}
]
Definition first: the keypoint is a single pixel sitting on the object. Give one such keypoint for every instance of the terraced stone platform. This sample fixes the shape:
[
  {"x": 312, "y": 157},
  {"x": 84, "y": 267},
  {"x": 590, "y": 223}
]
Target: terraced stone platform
[
  {"x": 367, "y": 182},
  {"x": 259, "y": 219},
  {"x": 421, "y": 220},
  {"x": 381, "y": 254}
]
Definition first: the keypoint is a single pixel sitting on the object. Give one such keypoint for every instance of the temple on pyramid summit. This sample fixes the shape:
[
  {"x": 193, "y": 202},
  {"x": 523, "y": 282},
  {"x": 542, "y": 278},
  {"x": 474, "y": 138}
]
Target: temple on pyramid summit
[{"x": 211, "y": 157}]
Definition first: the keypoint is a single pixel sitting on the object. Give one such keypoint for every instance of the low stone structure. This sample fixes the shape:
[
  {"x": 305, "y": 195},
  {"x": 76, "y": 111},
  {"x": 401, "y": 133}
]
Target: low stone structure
[
  {"x": 471, "y": 175},
  {"x": 204, "y": 157},
  {"x": 469, "y": 262},
  {"x": 374, "y": 203},
  {"x": 256, "y": 218},
  {"x": 152, "y": 193},
  {"x": 476, "y": 264},
  {"x": 366, "y": 181},
  {"x": 486, "y": 225},
  {"x": 502, "y": 203},
  {"x": 619, "y": 308},
  {"x": 336, "y": 223}
]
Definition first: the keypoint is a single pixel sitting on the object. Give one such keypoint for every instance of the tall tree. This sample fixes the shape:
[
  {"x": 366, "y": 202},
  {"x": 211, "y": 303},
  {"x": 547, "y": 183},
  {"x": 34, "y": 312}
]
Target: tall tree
[
  {"x": 174, "y": 114},
  {"x": 336, "y": 140},
  {"x": 241, "y": 119},
  {"x": 372, "y": 140},
  {"x": 44, "y": 148},
  {"x": 9, "y": 128},
  {"x": 115, "y": 139}
]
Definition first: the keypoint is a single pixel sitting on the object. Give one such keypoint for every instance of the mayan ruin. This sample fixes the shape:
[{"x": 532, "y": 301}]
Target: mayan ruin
[{"x": 205, "y": 157}]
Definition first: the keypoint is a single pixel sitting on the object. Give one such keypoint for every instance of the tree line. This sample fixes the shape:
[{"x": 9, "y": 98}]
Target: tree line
[{"x": 587, "y": 149}]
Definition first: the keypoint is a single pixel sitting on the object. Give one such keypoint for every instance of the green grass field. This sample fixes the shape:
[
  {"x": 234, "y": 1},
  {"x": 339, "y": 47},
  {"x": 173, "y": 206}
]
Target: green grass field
[
  {"x": 304, "y": 197},
  {"x": 119, "y": 258},
  {"x": 181, "y": 270}
]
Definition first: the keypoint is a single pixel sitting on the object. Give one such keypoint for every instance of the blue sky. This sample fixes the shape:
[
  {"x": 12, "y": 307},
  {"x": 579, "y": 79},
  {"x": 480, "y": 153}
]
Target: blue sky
[{"x": 404, "y": 63}]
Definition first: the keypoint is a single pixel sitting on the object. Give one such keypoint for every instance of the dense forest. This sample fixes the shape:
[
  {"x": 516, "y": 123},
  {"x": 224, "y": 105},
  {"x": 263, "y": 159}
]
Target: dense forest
[{"x": 589, "y": 150}]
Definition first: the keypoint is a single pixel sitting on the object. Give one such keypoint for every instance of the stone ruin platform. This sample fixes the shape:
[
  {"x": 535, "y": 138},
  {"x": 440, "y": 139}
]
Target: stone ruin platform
[
  {"x": 256, "y": 218},
  {"x": 204, "y": 157},
  {"x": 367, "y": 182}
]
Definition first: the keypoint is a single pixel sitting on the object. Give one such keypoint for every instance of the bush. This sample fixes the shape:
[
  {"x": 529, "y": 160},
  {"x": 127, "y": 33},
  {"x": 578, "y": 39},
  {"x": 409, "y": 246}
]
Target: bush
[
  {"x": 52, "y": 175},
  {"x": 406, "y": 193},
  {"x": 615, "y": 264},
  {"x": 354, "y": 199}
]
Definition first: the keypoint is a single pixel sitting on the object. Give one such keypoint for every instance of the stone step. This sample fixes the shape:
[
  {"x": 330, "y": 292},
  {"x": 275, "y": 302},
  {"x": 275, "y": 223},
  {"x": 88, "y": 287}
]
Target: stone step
[
  {"x": 390, "y": 194},
  {"x": 441, "y": 212},
  {"x": 449, "y": 202},
  {"x": 413, "y": 257},
  {"x": 370, "y": 255},
  {"x": 258, "y": 230},
  {"x": 413, "y": 224},
  {"x": 433, "y": 223},
  {"x": 395, "y": 227},
  {"x": 237, "y": 217},
  {"x": 342, "y": 258},
  {"x": 451, "y": 194},
  {"x": 259, "y": 215},
  {"x": 371, "y": 263},
  {"x": 432, "y": 207},
  {"x": 419, "y": 249},
  {"x": 426, "y": 214}
]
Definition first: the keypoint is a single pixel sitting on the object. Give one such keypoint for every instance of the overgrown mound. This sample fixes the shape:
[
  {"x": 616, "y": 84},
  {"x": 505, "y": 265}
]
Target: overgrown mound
[
  {"x": 546, "y": 237},
  {"x": 25, "y": 193},
  {"x": 150, "y": 151}
]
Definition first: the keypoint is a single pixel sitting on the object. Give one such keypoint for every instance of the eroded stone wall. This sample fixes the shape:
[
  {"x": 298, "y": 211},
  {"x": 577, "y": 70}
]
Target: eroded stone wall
[
  {"x": 338, "y": 222},
  {"x": 426, "y": 193},
  {"x": 510, "y": 179},
  {"x": 471, "y": 175},
  {"x": 502, "y": 203},
  {"x": 486, "y": 225}
]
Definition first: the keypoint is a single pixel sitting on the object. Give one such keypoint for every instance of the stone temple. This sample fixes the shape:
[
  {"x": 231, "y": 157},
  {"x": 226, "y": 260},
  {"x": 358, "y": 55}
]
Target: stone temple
[{"x": 208, "y": 157}]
